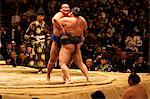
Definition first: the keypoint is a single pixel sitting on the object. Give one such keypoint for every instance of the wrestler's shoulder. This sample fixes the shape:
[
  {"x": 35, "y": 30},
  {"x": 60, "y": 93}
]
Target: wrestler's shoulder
[
  {"x": 82, "y": 18},
  {"x": 132, "y": 89},
  {"x": 128, "y": 92},
  {"x": 59, "y": 14}
]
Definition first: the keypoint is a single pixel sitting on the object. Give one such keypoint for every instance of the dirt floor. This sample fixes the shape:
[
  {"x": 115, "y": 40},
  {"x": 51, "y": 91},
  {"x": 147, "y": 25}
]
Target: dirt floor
[{"x": 26, "y": 83}]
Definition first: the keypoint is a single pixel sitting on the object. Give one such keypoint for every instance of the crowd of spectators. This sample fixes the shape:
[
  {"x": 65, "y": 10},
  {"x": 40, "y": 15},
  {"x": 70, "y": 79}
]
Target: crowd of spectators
[{"x": 117, "y": 38}]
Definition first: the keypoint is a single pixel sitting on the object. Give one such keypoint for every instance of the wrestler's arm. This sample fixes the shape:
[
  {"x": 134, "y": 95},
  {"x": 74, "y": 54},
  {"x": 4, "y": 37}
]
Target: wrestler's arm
[
  {"x": 63, "y": 22},
  {"x": 57, "y": 16},
  {"x": 56, "y": 22},
  {"x": 84, "y": 23},
  {"x": 59, "y": 25}
]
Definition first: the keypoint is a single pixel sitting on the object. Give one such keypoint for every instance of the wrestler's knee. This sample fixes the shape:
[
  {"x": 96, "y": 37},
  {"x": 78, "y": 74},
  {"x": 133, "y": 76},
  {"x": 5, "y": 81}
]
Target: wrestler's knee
[
  {"x": 51, "y": 62},
  {"x": 78, "y": 62},
  {"x": 62, "y": 65}
]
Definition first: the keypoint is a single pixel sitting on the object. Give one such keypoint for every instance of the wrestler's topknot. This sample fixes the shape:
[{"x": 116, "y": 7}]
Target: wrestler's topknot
[{"x": 76, "y": 11}]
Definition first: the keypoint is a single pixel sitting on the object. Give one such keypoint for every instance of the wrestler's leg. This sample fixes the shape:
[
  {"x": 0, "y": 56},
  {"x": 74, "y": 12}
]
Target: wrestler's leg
[
  {"x": 64, "y": 57},
  {"x": 53, "y": 57},
  {"x": 69, "y": 65},
  {"x": 79, "y": 62},
  {"x": 70, "y": 62}
]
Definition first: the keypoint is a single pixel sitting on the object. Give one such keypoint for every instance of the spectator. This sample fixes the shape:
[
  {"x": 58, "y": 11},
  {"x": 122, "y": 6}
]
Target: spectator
[
  {"x": 15, "y": 21},
  {"x": 124, "y": 64},
  {"x": 133, "y": 43},
  {"x": 105, "y": 52},
  {"x": 89, "y": 64},
  {"x": 116, "y": 58},
  {"x": 140, "y": 66},
  {"x": 3, "y": 38},
  {"x": 22, "y": 48},
  {"x": 119, "y": 41},
  {"x": 29, "y": 52},
  {"x": 23, "y": 59},
  {"x": 105, "y": 65},
  {"x": 98, "y": 95},
  {"x": 14, "y": 59},
  {"x": 6, "y": 53},
  {"x": 23, "y": 23},
  {"x": 97, "y": 62}
]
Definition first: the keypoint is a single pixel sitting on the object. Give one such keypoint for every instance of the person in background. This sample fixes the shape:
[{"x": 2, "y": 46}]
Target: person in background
[
  {"x": 6, "y": 53},
  {"x": 23, "y": 59},
  {"x": 37, "y": 34},
  {"x": 136, "y": 90},
  {"x": 98, "y": 95},
  {"x": 124, "y": 64},
  {"x": 14, "y": 59},
  {"x": 90, "y": 65},
  {"x": 97, "y": 62},
  {"x": 140, "y": 66},
  {"x": 105, "y": 66}
]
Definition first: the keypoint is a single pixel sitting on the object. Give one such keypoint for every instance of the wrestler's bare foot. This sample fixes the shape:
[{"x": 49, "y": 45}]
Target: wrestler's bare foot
[
  {"x": 67, "y": 82},
  {"x": 48, "y": 79},
  {"x": 63, "y": 77},
  {"x": 89, "y": 80}
]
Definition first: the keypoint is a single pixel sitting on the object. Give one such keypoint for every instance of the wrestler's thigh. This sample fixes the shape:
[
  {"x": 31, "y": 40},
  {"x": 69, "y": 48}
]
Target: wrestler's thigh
[
  {"x": 64, "y": 55},
  {"x": 77, "y": 57},
  {"x": 54, "y": 50}
]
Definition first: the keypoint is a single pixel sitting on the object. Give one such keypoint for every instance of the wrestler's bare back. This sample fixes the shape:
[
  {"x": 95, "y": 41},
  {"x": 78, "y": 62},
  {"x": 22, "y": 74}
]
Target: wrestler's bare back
[
  {"x": 135, "y": 92},
  {"x": 73, "y": 25}
]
